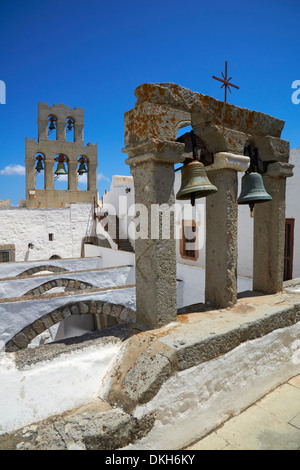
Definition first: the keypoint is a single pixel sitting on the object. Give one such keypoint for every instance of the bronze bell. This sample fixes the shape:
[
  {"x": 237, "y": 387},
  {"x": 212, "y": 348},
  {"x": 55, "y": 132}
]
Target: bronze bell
[
  {"x": 194, "y": 182},
  {"x": 39, "y": 166},
  {"x": 61, "y": 170},
  {"x": 52, "y": 125},
  {"x": 82, "y": 169},
  {"x": 253, "y": 191},
  {"x": 69, "y": 125}
]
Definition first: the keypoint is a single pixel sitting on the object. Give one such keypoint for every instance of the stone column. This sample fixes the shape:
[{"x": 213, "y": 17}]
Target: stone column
[
  {"x": 72, "y": 177},
  {"x": 78, "y": 132},
  {"x": 221, "y": 230},
  {"x": 152, "y": 166},
  {"x": 30, "y": 174},
  {"x": 42, "y": 129},
  {"x": 60, "y": 130},
  {"x": 269, "y": 231},
  {"x": 92, "y": 176},
  {"x": 49, "y": 174}
]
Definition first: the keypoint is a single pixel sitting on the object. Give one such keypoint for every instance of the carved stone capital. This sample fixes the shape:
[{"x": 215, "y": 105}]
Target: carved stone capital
[{"x": 155, "y": 150}]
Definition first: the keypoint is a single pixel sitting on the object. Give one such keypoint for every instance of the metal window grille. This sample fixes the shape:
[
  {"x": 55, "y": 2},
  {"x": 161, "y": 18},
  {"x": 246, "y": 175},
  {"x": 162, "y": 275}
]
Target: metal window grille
[
  {"x": 289, "y": 249},
  {"x": 189, "y": 240},
  {"x": 5, "y": 256}
]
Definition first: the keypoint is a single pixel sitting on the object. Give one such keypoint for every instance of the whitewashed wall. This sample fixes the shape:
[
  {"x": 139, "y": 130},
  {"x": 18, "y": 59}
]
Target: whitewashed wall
[
  {"x": 245, "y": 223},
  {"x": 99, "y": 279},
  {"x": 121, "y": 200},
  {"x": 110, "y": 258},
  {"x": 8, "y": 270},
  {"x": 52, "y": 386},
  {"x": 21, "y": 226}
]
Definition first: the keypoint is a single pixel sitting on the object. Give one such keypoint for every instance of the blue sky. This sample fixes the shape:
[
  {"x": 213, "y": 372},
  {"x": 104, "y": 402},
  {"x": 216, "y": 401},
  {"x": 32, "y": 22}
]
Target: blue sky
[{"x": 94, "y": 53}]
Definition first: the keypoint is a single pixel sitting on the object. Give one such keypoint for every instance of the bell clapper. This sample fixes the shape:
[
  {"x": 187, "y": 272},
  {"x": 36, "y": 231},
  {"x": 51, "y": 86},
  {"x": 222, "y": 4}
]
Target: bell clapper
[{"x": 251, "y": 209}]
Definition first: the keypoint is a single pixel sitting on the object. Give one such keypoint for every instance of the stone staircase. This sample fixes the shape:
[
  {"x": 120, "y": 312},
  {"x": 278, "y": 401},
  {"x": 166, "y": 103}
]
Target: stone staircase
[{"x": 123, "y": 244}]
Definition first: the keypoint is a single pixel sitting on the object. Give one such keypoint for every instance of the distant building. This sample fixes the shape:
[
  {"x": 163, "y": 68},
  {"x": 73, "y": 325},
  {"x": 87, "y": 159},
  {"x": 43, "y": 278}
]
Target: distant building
[{"x": 53, "y": 222}]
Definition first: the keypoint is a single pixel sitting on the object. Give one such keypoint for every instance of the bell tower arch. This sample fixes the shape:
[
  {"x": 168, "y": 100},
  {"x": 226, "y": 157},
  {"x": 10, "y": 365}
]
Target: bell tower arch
[{"x": 54, "y": 124}]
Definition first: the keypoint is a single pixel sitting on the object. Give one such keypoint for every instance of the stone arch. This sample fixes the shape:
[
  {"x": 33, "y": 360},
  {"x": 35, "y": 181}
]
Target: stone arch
[
  {"x": 36, "y": 269},
  {"x": 102, "y": 308},
  {"x": 60, "y": 282},
  {"x": 55, "y": 257}
]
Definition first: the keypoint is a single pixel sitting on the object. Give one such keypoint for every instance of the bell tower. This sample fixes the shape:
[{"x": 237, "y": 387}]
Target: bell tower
[{"x": 53, "y": 156}]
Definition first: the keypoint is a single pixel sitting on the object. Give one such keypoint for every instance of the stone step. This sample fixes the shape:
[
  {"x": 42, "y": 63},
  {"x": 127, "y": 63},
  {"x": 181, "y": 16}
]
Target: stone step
[
  {"x": 95, "y": 426},
  {"x": 125, "y": 245}
]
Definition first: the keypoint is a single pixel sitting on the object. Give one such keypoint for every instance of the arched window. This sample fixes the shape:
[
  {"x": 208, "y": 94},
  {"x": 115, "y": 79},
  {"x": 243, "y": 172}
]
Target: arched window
[
  {"x": 52, "y": 120},
  {"x": 39, "y": 171},
  {"x": 70, "y": 129},
  {"x": 55, "y": 257},
  {"x": 82, "y": 171},
  {"x": 61, "y": 172}
]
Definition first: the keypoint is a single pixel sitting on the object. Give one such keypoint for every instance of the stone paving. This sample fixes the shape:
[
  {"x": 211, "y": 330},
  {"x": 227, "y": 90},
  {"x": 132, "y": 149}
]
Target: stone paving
[{"x": 273, "y": 423}]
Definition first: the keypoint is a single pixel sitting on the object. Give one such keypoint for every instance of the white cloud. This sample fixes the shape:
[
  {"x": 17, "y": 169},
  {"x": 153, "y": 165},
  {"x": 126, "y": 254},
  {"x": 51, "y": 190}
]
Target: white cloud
[
  {"x": 102, "y": 177},
  {"x": 82, "y": 179},
  {"x": 62, "y": 178},
  {"x": 13, "y": 170}
]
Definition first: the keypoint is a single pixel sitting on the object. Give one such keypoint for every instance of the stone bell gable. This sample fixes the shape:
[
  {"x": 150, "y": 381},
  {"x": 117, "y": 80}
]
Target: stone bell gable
[
  {"x": 152, "y": 147},
  {"x": 55, "y": 121}
]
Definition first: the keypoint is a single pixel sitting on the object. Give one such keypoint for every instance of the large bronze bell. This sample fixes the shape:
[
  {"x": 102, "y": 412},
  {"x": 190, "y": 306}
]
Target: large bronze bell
[
  {"x": 253, "y": 191},
  {"x": 194, "y": 182},
  {"x": 61, "y": 169}
]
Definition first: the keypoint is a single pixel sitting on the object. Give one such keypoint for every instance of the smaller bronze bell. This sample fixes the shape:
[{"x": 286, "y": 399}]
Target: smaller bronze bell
[
  {"x": 69, "y": 125},
  {"x": 253, "y": 191},
  {"x": 82, "y": 169},
  {"x": 39, "y": 166},
  {"x": 61, "y": 170},
  {"x": 194, "y": 182},
  {"x": 52, "y": 125}
]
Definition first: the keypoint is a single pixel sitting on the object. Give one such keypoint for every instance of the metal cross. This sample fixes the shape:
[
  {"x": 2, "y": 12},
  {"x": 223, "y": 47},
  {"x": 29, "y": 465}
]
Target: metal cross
[{"x": 226, "y": 82}]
